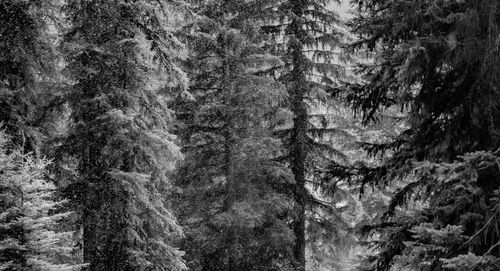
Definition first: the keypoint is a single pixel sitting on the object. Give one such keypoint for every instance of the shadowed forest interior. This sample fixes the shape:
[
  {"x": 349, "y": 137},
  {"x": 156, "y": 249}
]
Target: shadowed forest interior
[{"x": 249, "y": 135}]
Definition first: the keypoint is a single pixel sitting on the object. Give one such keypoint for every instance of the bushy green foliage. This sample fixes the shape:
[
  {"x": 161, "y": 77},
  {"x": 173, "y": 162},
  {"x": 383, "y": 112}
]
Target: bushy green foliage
[{"x": 29, "y": 220}]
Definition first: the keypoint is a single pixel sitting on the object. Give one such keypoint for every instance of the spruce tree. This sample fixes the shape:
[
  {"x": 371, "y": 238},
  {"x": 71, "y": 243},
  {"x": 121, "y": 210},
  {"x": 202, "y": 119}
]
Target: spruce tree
[
  {"x": 234, "y": 214},
  {"x": 122, "y": 58},
  {"x": 438, "y": 59},
  {"x": 29, "y": 217},
  {"x": 306, "y": 36}
]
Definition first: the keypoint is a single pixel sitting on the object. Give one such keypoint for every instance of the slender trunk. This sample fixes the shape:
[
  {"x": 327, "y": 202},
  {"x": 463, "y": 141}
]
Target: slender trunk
[
  {"x": 299, "y": 156},
  {"x": 298, "y": 152}
]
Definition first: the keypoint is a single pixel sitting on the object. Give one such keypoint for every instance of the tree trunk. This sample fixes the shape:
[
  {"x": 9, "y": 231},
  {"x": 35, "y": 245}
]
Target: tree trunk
[{"x": 298, "y": 89}]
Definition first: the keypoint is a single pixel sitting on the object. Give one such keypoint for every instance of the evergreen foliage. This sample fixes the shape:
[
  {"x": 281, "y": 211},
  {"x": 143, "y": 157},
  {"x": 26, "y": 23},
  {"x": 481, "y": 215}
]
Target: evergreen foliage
[
  {"x": 122, "y": 57},
  {"x": 438, "y": 60},
  {"x": 26, "y": 62},
  {"x": 231, "y": 205},
  {"x": 29, "y": 239},
  {"x": 102, "y": 88},
  {"x": 306, "y": 35}
]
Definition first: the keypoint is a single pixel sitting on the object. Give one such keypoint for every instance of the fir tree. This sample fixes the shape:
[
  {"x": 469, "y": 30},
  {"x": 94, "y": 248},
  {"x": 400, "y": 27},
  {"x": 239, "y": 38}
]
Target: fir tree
[
  {"x": 29, "y": 239},
  {"x": 438, "y": 59},
  {"x": 306, "y": 36},
  {"x": 122, "y": 57},
  {"x": 234, "y": 215}
]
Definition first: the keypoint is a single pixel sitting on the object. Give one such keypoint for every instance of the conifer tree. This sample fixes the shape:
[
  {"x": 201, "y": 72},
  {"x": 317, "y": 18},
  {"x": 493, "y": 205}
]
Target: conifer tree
[
  {"x": 438, "y": 59},
  {"x": 306, "y": 36},
  {"x": 235, "y": 216},
  {"x": 121, "y": 56},
  {"x": 29, "y": 239},
  {"x": 26, "y": 62}
]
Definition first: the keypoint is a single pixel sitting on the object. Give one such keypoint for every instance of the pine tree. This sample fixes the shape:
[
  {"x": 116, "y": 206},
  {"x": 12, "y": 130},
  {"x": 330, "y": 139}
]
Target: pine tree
[
  {"x": 438, "y": 59},
  {"x": 306, "y": 36},
  {"x": 122, "y": 57},
  {"x": 235, "y": 217},
  {"x": 29, "y": 239}
]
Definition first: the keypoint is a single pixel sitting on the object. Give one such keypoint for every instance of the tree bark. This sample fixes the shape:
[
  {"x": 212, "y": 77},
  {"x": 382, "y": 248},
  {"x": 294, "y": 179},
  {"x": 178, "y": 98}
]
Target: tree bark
[{"x": 298, "y": 152}]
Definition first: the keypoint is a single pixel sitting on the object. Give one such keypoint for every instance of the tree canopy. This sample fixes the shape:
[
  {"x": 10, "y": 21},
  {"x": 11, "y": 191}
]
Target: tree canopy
[
  {"x": 249, "y": 135},
  {"x": 437, "y": 60}
]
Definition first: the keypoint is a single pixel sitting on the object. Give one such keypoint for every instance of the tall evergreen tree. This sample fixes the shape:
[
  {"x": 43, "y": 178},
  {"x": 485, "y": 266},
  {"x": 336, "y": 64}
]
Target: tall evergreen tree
[
  {"x": 121, "y": 56},
  {"x": 306, "y": 36},
  {"x": 26, "y": 62},
  {"x": 29, "y": 239},
  {"x": 439, "y": 59},
  {"x": 235, "y": 217}
]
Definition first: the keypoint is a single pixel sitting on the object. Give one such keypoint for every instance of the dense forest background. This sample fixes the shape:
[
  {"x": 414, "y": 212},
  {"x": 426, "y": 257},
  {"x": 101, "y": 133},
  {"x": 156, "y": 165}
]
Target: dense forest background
[{"x": 246, "y": 135}]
